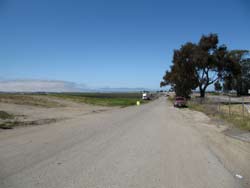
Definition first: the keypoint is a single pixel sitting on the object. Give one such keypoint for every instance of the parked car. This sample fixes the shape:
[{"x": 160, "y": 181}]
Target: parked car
[{"x": 180, "y": 102}]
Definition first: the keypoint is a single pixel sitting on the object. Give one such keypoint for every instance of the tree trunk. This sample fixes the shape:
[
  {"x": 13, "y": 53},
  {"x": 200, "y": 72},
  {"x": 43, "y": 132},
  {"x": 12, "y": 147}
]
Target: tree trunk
[{"x": 202, "y": 93}]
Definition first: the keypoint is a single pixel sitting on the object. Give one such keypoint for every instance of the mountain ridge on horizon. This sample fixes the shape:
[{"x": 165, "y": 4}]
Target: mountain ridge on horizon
[{"x": 35, "y": 86}]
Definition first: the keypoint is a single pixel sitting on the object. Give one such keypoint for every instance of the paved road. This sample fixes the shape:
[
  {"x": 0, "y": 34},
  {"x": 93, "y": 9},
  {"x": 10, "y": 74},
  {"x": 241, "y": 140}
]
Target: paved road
[{"x": 139, "y": 147}]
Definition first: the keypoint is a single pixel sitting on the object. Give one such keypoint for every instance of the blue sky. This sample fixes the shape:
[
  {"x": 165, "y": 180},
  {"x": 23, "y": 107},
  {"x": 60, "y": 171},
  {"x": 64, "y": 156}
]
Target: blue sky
[{"x": 110, "y": 43}]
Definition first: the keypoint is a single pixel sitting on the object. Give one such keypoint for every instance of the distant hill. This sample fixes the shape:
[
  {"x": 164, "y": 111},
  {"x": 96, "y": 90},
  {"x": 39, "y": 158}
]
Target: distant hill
[{"x": 50, "y": 86}]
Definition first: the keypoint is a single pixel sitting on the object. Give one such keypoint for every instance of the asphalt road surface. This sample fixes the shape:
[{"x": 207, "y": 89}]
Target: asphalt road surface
[{"x": 150, "y": 146}]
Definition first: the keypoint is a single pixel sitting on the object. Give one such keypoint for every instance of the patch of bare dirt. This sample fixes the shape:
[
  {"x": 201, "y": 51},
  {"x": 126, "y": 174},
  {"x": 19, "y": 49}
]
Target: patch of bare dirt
[
  {"x": 28, "y": 114},
  {"x": 230, "y": 146}
]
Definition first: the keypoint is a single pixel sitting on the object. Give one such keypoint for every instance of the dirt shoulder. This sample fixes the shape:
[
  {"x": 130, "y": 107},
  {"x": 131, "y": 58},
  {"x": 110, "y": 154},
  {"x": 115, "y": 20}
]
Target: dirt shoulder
[
  {"x": 43, "y": 110},
  {"x": 232, "y": 152}
]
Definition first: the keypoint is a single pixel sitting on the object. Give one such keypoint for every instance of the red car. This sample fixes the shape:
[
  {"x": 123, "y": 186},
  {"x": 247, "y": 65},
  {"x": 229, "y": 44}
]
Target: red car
[{"x": 180, "y": 102}]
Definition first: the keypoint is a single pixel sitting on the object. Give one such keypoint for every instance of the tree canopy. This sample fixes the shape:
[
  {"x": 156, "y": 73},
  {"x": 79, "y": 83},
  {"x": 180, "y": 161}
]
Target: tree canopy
[
  {"x": 200, "y": 65},
  {"x": 217, "y": 86},
  {"x": 239, "y": 82}
]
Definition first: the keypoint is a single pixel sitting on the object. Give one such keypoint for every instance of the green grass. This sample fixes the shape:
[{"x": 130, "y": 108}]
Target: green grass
[
  {"x": 213, "y": 93},
  {"x": 99, "y": 95},
  {"x": 6, "y": 120},
  {"x": 9, "y": 124},
  {"x": 239, "y": 121},
  {"x": 5, "y": 115},
  {"x": 197, "y": 107},
  {"x": 235, "y": 118},
  {"x": 102, "y": 99}
]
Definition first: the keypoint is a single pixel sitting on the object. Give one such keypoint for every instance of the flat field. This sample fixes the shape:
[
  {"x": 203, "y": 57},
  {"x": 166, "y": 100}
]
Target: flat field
[
  {"x": 18, "y": 109},
  {"x": 102, "y": 99}
]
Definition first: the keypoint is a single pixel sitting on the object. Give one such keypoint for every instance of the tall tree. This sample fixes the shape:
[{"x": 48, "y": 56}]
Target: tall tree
[
  {"x": 181, "y": 76},
  {"x": 239, "y": 82},
  {"x": 200, "y": 65},
  {"x": 213, "y": 62},
  {"x": 245, "y": 76},
  {"x": 217, "y": 86}
]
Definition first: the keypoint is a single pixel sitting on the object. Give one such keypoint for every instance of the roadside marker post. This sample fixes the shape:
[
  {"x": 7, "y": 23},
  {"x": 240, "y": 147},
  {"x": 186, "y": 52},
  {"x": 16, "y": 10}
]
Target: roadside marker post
[
  {"x": 229, "y": 106},
  {"x": 243, "y": 107},
  {"x": 138, "y": 103}
]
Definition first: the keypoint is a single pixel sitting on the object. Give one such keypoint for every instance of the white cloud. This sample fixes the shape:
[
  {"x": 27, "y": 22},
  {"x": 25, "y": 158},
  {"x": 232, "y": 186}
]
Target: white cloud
[{"x": 39, "y": 86}]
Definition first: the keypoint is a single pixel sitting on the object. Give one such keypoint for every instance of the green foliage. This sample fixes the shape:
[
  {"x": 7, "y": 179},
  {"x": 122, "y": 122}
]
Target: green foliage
[
  {"x": 103, "y": 99},
  {"x": 200, "y": 65},
  {"x": 239, "y": 82},
  {"x": 181, "y": 76},
  {"x": 5, "y": 115},
  {"x": 9, "y": 125},
  {"x": 217, "y": 86}
]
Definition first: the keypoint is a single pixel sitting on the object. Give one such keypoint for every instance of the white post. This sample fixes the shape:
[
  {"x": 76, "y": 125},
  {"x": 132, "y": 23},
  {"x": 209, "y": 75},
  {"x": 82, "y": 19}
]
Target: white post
[
  {"x": 229, "y": 105},
  {"x": 243, "y": 106}
]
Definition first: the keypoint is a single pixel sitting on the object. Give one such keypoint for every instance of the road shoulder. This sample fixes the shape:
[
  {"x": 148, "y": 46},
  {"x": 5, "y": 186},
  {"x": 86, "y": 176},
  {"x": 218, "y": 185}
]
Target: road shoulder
[{"x": 232, "y": 152}]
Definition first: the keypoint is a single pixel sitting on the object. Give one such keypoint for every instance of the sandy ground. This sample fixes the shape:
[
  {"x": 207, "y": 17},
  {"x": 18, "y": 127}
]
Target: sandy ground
[
  {"x": 67, "y": 110},
  {"x": 153, "y": 145}
]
